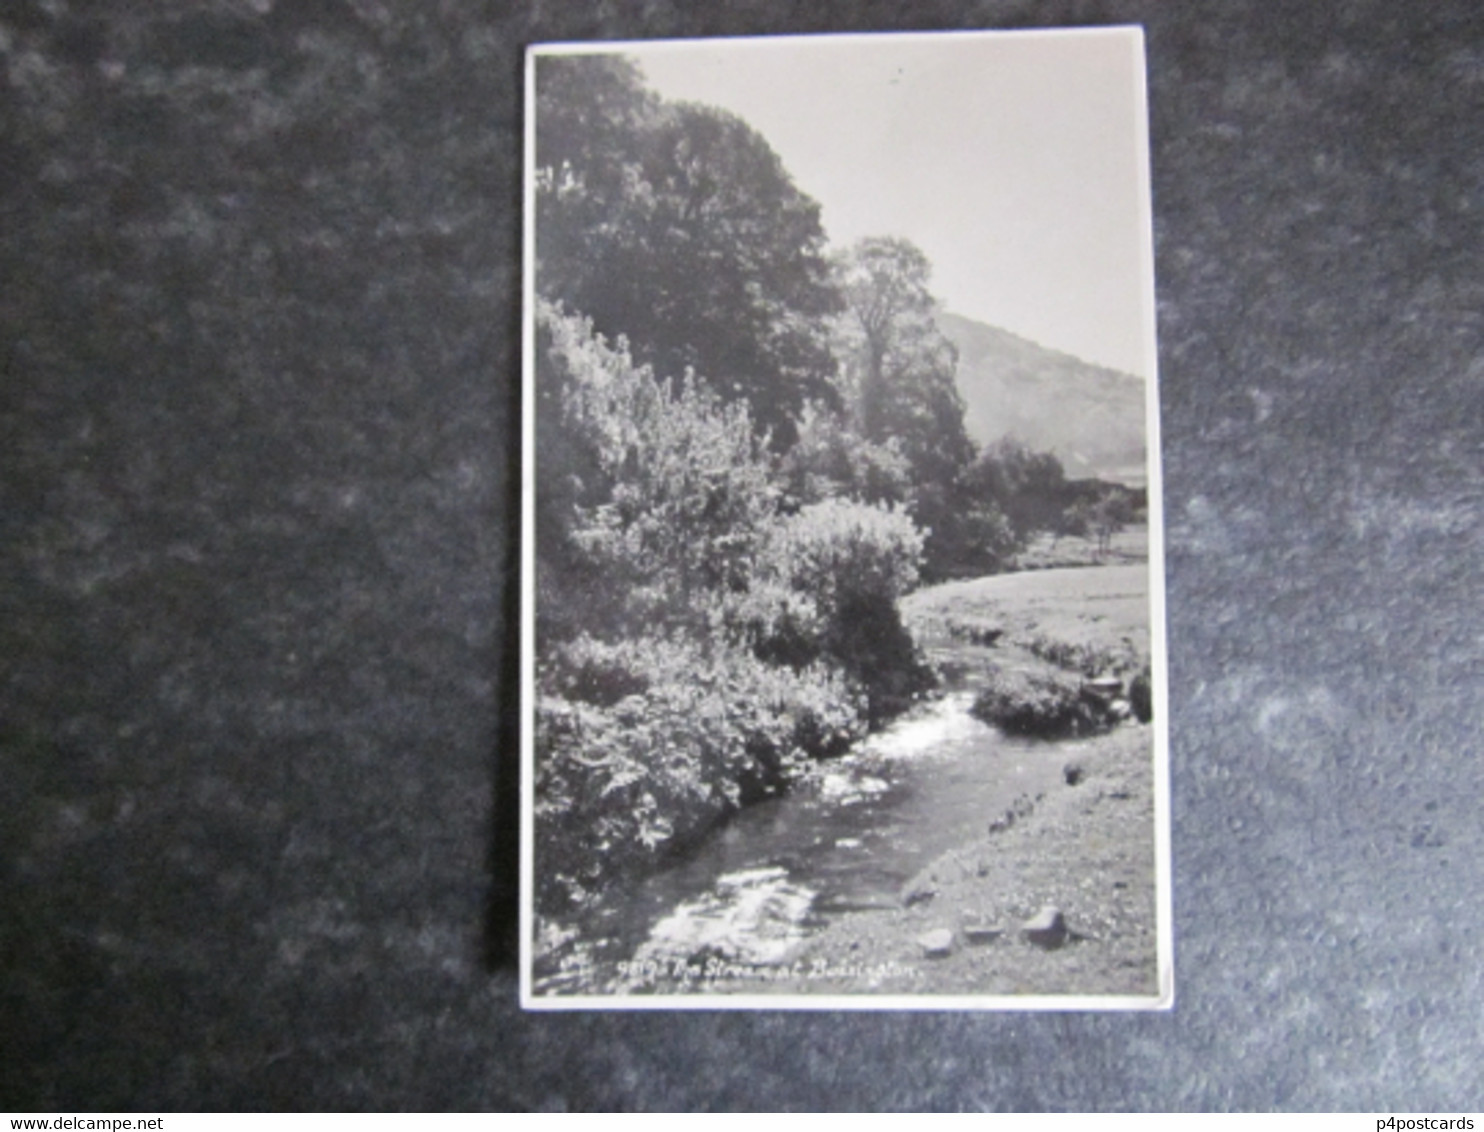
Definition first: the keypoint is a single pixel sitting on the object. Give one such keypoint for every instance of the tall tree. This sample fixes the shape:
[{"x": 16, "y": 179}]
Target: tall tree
[
  {"x": 885, "y": 284},
  {"x": 676, "y": 225},
  {"x": 899, "y": 380},
  {"x": 591, "y": 112},
  {"x": 900, "y": 368}
]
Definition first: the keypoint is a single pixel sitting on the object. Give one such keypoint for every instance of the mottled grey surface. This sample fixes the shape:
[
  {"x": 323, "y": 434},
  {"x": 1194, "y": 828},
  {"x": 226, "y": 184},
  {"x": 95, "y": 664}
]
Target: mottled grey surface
[{"x": 259, "y": 359}]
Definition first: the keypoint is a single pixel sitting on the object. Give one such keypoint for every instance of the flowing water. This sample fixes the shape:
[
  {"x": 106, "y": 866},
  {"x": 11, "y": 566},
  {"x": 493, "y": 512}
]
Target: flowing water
[{"x": 845, "y": 840}]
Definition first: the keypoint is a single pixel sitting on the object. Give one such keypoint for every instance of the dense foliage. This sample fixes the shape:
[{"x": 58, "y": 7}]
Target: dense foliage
[
  {"x": 677, "y": 226},
  {"x": 651, "y": 493},
  {"x": 747, "y": 450},
  {"x": 1047, "y": 704},
  {"x": 1031, "y": 491},
  {"x": 698, "y": 640},
  {"x": 644, "y": 744},
  {"x": 852, "y": 562}
]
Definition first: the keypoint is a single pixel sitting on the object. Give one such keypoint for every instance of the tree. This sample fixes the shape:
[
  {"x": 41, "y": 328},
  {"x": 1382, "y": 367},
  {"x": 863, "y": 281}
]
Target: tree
[
  {"x": 591, "y": 112},
  {"x": 1111, "y": 512},
  {"x": 591, "y": 109},
  {"x": 650, "y": 492},
  {"x": 900, "y": 368},
  {"x": 677, "y": 226},
  {"x": 831, "y": 460},
  {"x": 1030, "y": 487},
  {"x": 899, "y": 382}
]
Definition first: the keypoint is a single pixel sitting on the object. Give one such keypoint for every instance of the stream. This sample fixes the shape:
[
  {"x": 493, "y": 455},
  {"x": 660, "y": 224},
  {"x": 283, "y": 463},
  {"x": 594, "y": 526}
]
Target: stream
[{"x": 844, "y": 840}]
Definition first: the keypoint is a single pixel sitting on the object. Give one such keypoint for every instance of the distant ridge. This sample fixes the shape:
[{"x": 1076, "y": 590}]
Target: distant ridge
[{"x": 1090, "y": 416}]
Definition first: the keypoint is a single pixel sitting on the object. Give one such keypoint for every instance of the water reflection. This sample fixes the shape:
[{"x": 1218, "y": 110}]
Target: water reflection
[{"x": 844, "y": 841}]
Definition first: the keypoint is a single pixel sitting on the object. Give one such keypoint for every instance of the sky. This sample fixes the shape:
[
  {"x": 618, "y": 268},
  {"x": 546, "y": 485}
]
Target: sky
[{"x": 1016, "y": 161}]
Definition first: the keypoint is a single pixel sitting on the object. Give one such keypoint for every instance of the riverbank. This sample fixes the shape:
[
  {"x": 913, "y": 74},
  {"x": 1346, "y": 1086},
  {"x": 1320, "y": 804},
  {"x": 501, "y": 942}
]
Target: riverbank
[
  {"x": 913, "y": 864},
  {"x": 1082, "y": 844},
  {"x": 1086, "y": 849},
  {"x": 1089, "y": 620}
]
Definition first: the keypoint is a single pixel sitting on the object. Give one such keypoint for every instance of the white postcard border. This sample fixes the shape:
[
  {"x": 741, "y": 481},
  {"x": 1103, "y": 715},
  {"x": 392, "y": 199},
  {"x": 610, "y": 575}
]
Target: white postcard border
[{"x": 1164, "y": 998}]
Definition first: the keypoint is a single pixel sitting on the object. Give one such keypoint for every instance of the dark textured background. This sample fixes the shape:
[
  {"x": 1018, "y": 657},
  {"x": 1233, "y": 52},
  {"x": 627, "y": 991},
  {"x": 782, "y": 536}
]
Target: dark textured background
[{"x": 259, "y": 363}]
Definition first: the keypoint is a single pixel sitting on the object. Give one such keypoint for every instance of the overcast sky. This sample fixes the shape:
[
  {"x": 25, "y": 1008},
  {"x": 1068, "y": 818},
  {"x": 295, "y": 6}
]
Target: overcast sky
[{"x": 1015, "y": 161}]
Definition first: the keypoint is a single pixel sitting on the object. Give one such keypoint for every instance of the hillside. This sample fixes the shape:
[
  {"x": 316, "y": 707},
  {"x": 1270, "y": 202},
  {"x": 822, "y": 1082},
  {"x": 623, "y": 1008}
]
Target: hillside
[{"x": 1090, "y": 416}]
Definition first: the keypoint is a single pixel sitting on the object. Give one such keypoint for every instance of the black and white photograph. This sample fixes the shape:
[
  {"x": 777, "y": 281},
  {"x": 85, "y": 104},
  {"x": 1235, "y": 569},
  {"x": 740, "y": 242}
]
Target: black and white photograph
[{"x": 842, "y": 609}]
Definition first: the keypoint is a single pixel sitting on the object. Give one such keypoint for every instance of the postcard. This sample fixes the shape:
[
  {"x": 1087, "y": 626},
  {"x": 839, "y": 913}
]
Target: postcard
[{"x": 843, "y": 659}]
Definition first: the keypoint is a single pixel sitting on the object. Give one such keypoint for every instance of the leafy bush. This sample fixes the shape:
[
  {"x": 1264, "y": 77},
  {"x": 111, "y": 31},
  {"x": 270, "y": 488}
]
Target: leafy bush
[
  {"x": 674, "y": 486},
  {"x": 837, "y": 551},
  {"x": 974, "y": 630},
  {"x": 1088, "y": 658},
  {"x": 830, "y": 460},
  {"x": 853, "y": 562},
  {"x": 779, "y": 625},
  {"x": 598, "y": 673},
  {"x": 620, "y": 782},
  {"x": 1047, "y": 705}
]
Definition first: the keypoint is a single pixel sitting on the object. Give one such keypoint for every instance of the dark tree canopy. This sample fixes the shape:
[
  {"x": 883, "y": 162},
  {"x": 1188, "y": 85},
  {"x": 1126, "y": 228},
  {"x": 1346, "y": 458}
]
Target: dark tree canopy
[
  {"x": 677, "y": 226},
  {"x": 900, "y": 381},
  {"x": 1030, "y": 487},
  {"x": 592, "y": 111},
  {"x": 900, "y": 368},
  {"x": 885, "y": 283}
]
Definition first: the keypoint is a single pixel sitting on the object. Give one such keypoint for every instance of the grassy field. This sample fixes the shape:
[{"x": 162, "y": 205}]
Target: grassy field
[
  {"x": 1045, "y": 552},
  {"x": 1085, "y": 845},
  {"x": 1083, "y": 619}
]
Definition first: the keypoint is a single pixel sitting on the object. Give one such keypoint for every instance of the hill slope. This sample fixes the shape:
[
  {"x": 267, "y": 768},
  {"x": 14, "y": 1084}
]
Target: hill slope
[{"x": 1090, "y": 416}]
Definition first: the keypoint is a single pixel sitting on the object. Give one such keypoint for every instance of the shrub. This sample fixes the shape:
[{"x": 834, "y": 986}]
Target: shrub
[
  {"x": 853, "y": 561},
  {"x": 830, "y": 460},
  {"x": 620, "y": 782},
  {"x": 1047, "y": 705},
  {"x": 976, "y": 631},
  {"x": 594, "y": 672},
  {"x": 647, "y": 488},
  {"x": 780, "y": 626},
  {"x": 1088, "y": 658},
  {"x": 836, "y": 550}
]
